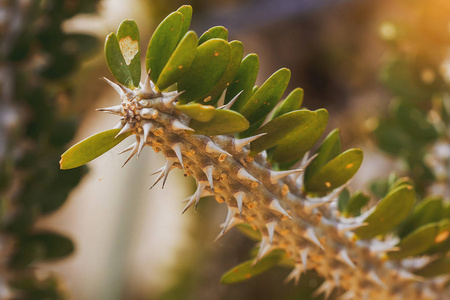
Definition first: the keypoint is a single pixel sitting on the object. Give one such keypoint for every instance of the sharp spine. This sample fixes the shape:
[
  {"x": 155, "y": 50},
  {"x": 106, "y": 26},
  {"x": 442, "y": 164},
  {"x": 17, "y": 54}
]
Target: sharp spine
[
  {"x": 239, "y": 200},
  {"x": 275, "y": 175},
  {"x": 326, "y": 288},
  {"x": 169, "y": 163},
  {"x": 304, "y": 258},
  {"x": 147, "y": 88},
  {"x": 168, "y": 101},
  {"x": 311, "y": 236},
  {"x": 244, "y": 175},
  {"x": 177, "y": 149},
  {"x": 241, "y": 143},
  {"x": 276, "y": 206},
  {"x": 115, "y": 110},
  {"x": 128, "y": 148},
  {"x": 271, "y": 230},
  {"x": 375, "y": 278},
  {"x": 115, "y": 86},
  {"x": 177, "y": 126},
  {"x": 343, "y": 256},
  {"x": 295, "y": 274},
  {"x": 211, "y": 147},
  {"x": 228, "y": 220},
  {"x": 126, "y": 128},
  {"x": 230, "y": 104},
  {"x": 264, "y": 248},
  {"x": 146, "y": 127},
  {"x": 196, "y": 197},
  {"x": 209, "y": 175},
  {"x": 133, "y": 153}
]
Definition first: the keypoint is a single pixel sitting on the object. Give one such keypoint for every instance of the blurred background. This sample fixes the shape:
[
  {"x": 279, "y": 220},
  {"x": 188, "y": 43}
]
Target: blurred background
[{"x": 359, "y": 59}]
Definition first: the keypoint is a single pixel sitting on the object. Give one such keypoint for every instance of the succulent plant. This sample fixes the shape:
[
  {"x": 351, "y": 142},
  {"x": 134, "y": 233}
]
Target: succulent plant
[{"x": 251, "y": 152}]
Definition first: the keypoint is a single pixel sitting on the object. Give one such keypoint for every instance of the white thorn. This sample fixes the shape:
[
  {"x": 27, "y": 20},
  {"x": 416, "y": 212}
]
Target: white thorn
[
  {"x": 115, "y": 110},
  {"x": 204, "y": 194},
  {"x": 310, "y": 205},
  {"x": 375, "y": 278},
  {"x": 304, "y": 257},
  {"x": 221, "y": 233},
  {"x": 230, "y": 104},
  {"x": 349, "y": 295},
  {"x": 244, "y": 175},
  {"x": 230, "y": 216},
  {"x": 196, "y": 197},
  {"x": 125, "y": 129},
  {"x": 337, "y": 278},
  {"x": 146, "y": 127},
  {"x": 343, "y": 256},
  {"x": 276, "y": 206},
  {"x": 263, "y": 154},
  {"x": 169, "y": 162},
  {"x": 209, "y": 175},
  {"x": 275, "y": 175},
  {"x": 148, "y": 86},
  {"x": 168, "y": 101},
  {"x": 133, "y": 151},
  {"x": 342, "y": 227},
  {"x": 118, "y": 125},
  {"x": 115, "y": 86},
  {"x": 240, "y": 144},
  {"x": 158, "y": 171},
  {"x": 409, "y": 276},
  {"x": 361, "y": 218},
  {"x": 311, "y": 236},
  {"x": 128, "y": 148},
  {"x": 326, "y": 288},
  {"x": 264, "y": 248},
  {"x": 160, "y": 176},
  {"x": 177, "y": 149},
  {"x": 295, "y": 274},
  {"x": 148, "y": 113},
  {"x": 239, "y": 200},
  {"x": 271, "y": 230},
  {"x": 211, "y": 147},
  {"x": 177, "y": 125}
]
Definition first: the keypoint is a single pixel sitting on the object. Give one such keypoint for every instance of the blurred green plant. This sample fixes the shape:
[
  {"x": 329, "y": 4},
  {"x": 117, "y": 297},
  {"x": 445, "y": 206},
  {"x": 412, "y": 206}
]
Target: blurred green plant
[{"x": 36, "y": 58}]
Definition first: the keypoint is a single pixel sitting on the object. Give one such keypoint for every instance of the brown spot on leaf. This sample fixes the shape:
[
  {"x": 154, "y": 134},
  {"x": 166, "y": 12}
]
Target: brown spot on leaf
[{"x": 129, "y": 48}]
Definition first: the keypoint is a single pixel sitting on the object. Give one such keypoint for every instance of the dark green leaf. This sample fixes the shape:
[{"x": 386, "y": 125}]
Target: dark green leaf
[
  {"x": 208, "y": 67},
  {"x": 90, "y": 148},
  {"x": 419, "y": 241},
  {"x": 162, "y": 44},
  {"x": 224, "y": 122},
  {"x": 292, "y": 102},
  {"x": 218, "y": 32},
  {"x": 415, "y": 121},
  {"x": 389, "y": 212},
  {"x": 336, "y": 172},
  {"x": 128, "y": 37},
  {"x": 356, "y": 202},
  {"x": 179, "y": 62},
  {"x": 196, "y": 111},
  {"x": 116, "y": 62},
  {"x": 266, "y": 97},
  {"x": 440, "y": 266},
  {"x": 243, "y": 81},
  {"x": 282, "y": 128}
]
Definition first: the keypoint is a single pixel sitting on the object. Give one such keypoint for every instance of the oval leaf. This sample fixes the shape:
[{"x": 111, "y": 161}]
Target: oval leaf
[
  {"x": 196, "y": 111},
  {"x": 440, "y": 266},
  {"x": 116, "y": 61},
  {"x": 179, "y": 62},
  {"x": 90, "y": 148},
  {"x": 245, "y": 270},
  {"x": 162, "y": 44},
  {"x": 266, "y": 97},
  {"x": 419, "y": 241},
  {"x": 336, "y": 172},
  {"x": 186, "y": 11},
  {"x": 389, "y": 212},
  {"x": 292, "y": 102},
  {"x": 296, "y": 147},
  {"x": 217, "y": 32},
  {"x": 281, "y": 128},
  {"x": 224, "y": 122},
  {"x": 208, "y": 67},
  {"x": 128, "y": 36},
  {"x": 243, "y": 81}
]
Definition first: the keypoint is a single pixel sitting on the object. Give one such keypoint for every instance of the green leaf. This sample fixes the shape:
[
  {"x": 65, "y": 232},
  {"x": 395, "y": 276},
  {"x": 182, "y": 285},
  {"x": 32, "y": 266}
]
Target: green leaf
[
  {"x": 329, "y": 149},
  {"x": 292, "y": 102},
  {"x": 237, "y": 50},
  {"x": 389, "y": 212},
  {"x": 266, "y": 97},
  {"x": 248, "y": 230},
  {"x": 356, "y": 202},
  {"x": 243, "y": 81},
  {"x": 128, "y": 36},
  {"x": 245, "y": 270},
  {"x": 208, "y": 67},
  {"x": 297, "y": 146},
  {"x": 162, "y": 44},
  {"x": 224, "y": 122},
  {"x": 179, "y": 62},
  {"x": 186, "y": 11},
  {"x": 419, "y": 241},
  {"x": 116, "y": 62},
  {"x": 336, "y": 172},
  {"x": 440, "y": 266},
  {"x": 56, "y": 246},
  {"x": 196, "y": 111},
  {"x": 90, "y": 148},
  {"x": 343, "y": 200},
  {"x": 217, "y": 32},
  {"x": 282, "y": 128}
]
